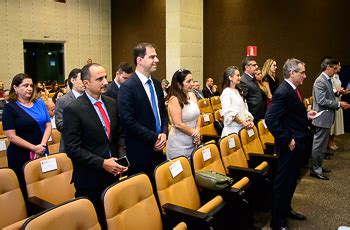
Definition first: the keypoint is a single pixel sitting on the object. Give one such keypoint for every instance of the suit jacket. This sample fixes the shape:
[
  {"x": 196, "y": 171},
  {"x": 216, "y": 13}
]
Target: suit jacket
[
  {"x": 112, "y": 90},
  {"x": 138, "y": 121},
  {"x": 323, "y": 99},
  {"x": 87, "y": 143},
  {"x": 61, "y": 104},
  {"x": 286, "y": 117},
  {"x": 253, "y": 96},
  {"x": 198, "y": 94},
  {"x": 208, "y": 93}
]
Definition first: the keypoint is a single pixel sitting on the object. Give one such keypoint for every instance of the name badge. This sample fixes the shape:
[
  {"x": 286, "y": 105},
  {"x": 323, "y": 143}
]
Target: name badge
[
  {"x": 2, "y": 145},
  {"x": 206, "y": 118},
  {"x": 206, "y": 154},
  {"x": 204, "y": 102},
  {"x": 250, "y": 132},
  {"x": 176, "y": 168},
  {"x": 231, "y": 143},
  {"x": 50, "y": 138},
  {"x": 48, "y": 165}
]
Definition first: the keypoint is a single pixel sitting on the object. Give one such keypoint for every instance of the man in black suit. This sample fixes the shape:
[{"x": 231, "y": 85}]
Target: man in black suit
[
  {"x": 287, "y": 120},
  {"x": 143, "y": 113},
  {"x": 251, "y": 89},
  {"x": 122, "y": 74},
  {"x": 210, "y": 90},
  {"x": 93, "y": 137}
]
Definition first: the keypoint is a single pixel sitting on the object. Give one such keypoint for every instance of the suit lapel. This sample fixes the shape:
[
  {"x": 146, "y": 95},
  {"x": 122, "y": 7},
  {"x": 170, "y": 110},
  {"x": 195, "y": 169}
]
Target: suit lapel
[{"x": 141, "y": 89}]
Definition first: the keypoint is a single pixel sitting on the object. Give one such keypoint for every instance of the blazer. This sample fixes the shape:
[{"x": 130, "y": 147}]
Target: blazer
[
  {"x": 61, "y": 104},
  {"x": 208, "y": 93},
  {"x": 323, "y": 99},
  {"x": 253, "y": 96},
  {"x": 112, "y": 90},
  {"x": 87, "y": 143},
  {"x": 286, "y": 118},
  {"x": 138, "y": 121}
]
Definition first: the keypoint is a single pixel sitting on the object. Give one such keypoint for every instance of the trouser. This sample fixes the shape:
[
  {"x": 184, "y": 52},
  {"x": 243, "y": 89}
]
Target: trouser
[{"x": 319, "y": 148}]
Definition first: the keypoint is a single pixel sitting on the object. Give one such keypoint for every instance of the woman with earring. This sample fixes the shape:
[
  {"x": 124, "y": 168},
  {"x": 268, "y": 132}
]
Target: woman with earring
[
  {"x": 184, "y": 116},
  {"x": 26, "y": 123},
  {"x": 234, "y": 108}
]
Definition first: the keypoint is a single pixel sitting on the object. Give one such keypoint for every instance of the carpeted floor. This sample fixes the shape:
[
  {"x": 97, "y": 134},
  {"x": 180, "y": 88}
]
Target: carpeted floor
[{"x": 325, "y": 203}]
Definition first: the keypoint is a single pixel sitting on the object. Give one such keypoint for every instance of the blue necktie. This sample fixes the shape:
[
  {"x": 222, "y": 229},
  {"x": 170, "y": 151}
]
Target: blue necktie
[
  {"x": 154, "y": 106},
  {"x": 330, "y": 82}
]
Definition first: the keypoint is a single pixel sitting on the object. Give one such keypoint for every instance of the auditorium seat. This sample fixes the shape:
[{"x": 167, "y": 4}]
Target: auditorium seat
[
  {"x": 215, "y": 103},
  {"x": 205, "y": 106},
  {"x": 54, "y": 143},
  {"x": 266, "y": 137}
]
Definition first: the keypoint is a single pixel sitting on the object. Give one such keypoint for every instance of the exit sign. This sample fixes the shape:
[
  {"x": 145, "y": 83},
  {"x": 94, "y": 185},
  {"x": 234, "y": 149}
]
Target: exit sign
[{"x": 252, "y": 51}]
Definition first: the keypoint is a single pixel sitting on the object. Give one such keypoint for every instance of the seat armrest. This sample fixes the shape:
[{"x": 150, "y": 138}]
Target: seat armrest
[
  {"x": 239, "y": 172},
  {"x": 193, "y": 218},
  {"x": 269, "y": 148},
  {"x": 206, "y": 138},
  {"x": 256, "y": 158},
  {"x": 36, "y": 205}
]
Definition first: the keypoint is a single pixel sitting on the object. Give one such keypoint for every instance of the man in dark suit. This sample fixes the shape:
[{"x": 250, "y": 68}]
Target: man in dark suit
[
  {"x": 323, "y": 101},
  {"x": 77, "y": 89},
  {"x": 143, "y": 113},
  {"x": 251, "y": 89},
  {"x": 210, "y": 90},
  {"x": 93, "y": 138},
  {"x": 196, "y": 90},
  {"x": 122, "y": 74},
  {"x": 287, "y": 120}
]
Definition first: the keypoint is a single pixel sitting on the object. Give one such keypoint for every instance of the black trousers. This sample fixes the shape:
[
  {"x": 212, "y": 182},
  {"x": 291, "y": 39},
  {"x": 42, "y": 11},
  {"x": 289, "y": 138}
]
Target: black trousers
[{"x": 284, "y": 184}]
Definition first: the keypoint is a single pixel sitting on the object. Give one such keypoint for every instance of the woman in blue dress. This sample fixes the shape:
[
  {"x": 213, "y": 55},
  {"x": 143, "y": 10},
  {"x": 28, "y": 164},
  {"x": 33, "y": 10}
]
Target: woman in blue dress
[{"x": 27, "y": 125}]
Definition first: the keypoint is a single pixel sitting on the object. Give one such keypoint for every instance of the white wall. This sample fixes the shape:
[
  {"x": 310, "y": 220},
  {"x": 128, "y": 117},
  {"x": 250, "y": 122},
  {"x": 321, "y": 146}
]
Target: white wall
[{"x": 83, "y": 25}]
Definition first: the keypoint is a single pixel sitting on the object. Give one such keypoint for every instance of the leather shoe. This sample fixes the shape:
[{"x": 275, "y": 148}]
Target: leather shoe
[
  {"x": 318, "y": 175},
  {"x": 296, "y": 216},
  {"x": 327, "y": 157},
  {"x": 326, "y": 170}
]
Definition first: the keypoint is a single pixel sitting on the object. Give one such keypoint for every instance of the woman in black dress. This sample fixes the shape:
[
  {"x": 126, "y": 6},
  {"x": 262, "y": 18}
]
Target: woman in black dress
[{"x": 269, "y": 74}]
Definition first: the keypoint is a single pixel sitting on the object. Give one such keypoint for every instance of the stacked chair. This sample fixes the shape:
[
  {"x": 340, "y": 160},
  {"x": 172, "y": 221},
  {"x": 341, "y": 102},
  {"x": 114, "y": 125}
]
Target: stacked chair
[
  {"x": 180, "y": 200},
  {"x": 131, "y": 204}
]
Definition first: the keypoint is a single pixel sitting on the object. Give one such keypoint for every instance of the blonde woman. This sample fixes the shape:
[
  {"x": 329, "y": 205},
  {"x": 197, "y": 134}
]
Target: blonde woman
[{"x": 269, "y": 74}]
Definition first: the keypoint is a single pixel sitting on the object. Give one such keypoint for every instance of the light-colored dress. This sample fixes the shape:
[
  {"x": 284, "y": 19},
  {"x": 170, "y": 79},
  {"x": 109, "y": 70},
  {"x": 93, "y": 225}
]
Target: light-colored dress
[
  {"x": 179, "y": 143},
  {"x": 233, "y": 105},
  {"x": 338, "y": 125}
]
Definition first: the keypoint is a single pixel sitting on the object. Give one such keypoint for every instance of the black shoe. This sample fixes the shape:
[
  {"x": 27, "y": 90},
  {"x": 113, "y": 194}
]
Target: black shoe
[
  {"x": 318, "y": 176},
  {"x": 327, "y": 157},
  {"x": 326, "y": 170},
  {"x": 296, "y": 216}
]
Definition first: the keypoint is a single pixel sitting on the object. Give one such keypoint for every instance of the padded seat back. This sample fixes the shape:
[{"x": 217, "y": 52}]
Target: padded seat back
[
  {"x": 207, "y": 158},
  {"x": 250, "y": 141},
  {"x": 3, "y": 153},
  {"x": 180, "y": 190},
  {"x": 54, "y": 144},
  {"x": 12, "y": 206},
  {"x": 54, "y": 186},
  {"x": 215, "y": 103},
  {"x": 131, "y": 204},
  {"x": 264, "y": 134},
  {"x": 207, "y": 125},
  {"x": 231, "y": 152},
  {"x": 75, "y": 214},
  {"x": 204, "y": 105}
]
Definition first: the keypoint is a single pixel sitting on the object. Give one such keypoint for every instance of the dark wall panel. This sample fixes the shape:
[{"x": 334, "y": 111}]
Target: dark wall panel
[
  {"x": 304, "y": 29},
  {"x": 133, "y": 22}
]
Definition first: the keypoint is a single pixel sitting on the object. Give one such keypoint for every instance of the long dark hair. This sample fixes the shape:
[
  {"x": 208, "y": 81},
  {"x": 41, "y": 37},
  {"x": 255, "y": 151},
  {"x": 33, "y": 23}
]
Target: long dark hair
[
  {"x": 176, "y": 84},
  {"x": 17, "y": 80}
]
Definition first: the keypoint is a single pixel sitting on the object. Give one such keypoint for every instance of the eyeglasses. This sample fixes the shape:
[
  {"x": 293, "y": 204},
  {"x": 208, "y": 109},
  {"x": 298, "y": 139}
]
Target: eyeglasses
[
  {"x": 253, "y": 64},
  {"x": 302, "y": 72}
]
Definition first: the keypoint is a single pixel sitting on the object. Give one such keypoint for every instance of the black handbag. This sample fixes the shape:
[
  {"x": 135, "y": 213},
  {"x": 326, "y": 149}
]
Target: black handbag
[{"x": 213, "y": 180}]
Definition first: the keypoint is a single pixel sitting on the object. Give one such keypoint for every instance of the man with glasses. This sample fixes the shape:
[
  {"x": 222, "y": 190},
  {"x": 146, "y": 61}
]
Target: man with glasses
[
  {"x": 324, "y": 102},
  {"x": 251, "y": 90}
]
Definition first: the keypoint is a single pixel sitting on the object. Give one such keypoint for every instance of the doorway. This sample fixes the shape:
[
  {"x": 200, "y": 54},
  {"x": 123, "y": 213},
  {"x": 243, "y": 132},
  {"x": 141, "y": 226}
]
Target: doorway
[{"x": 44, "y": 61}]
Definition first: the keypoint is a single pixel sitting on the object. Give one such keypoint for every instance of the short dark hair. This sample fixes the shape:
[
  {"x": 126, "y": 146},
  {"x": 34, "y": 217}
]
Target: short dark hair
[
  {"x": 140, "y": 50},
  {"x": 328, "y": 61},
  {"x": 85, "y": 71},
  {"x": 73, "y": 75},
  {"x": 246, "y": 61},
  {"x": 124, "y": 67}
]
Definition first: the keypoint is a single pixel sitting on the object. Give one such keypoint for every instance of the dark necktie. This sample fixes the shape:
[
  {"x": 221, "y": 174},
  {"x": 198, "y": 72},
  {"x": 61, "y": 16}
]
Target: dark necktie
[
  {"x": 299, "y": 95},
  {"x": 154, "y": 106},
  {"x": 330, "y": 82},
  {"x": 104, "y": 117}
]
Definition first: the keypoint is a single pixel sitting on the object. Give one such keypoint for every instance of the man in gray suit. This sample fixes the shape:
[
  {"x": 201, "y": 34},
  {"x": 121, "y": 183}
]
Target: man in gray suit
[
  {"x": 77, "y": 89},
  {"x": 251, "y": 89},
  {"x": 325, "y": 104}
]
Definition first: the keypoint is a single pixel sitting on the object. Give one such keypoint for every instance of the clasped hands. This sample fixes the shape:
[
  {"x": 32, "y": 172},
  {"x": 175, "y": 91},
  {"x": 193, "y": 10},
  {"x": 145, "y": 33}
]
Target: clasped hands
[
  {"x": 196, "y": 135},
  {"x": 113, "y": 167},
  {"x": 160, "y": 143}
]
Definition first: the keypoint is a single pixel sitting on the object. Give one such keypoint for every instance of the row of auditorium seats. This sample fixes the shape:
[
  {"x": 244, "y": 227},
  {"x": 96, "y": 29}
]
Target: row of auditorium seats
[{"x": 209, "y": 105}]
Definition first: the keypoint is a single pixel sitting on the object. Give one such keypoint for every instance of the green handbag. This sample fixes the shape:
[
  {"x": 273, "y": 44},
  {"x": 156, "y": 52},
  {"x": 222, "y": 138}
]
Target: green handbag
[{"x": 213, "y": 180}]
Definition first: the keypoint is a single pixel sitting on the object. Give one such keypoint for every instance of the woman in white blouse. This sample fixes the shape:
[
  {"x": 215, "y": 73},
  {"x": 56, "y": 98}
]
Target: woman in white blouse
[{"x": 234, "y": 108}]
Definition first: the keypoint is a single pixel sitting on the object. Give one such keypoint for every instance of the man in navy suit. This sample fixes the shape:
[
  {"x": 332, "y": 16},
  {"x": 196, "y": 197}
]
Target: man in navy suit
[
  {"x": 93, "y": 138},
  {"x": 287, "y": 120},
  {"x": 123, "y": 73},
  {"x": 143, "y": 113}
]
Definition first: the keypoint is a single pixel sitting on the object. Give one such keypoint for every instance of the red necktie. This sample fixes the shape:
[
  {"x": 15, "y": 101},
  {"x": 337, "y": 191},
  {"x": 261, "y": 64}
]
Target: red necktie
[
  {"x": 104, "y": 117},
  {"x": 299, "y": 95}
]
